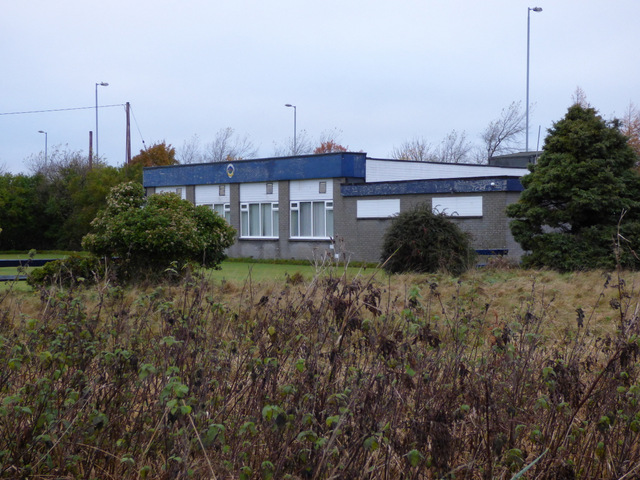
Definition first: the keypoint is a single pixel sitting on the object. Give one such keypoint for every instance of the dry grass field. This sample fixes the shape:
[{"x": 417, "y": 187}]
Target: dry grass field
[{"x": 501, "y": 373}]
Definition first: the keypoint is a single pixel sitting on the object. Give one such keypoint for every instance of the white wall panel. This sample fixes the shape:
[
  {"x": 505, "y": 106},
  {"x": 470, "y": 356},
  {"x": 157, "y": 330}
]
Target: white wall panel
[
  {"x": 209, "y": 194},
  {"x": 257, "y": 192},
  {"x": 458, "y": 206},
  {"x": 393, "y": 171},
  {"x": 303, "y": 190},
  {"x": 378, "y": 208}
]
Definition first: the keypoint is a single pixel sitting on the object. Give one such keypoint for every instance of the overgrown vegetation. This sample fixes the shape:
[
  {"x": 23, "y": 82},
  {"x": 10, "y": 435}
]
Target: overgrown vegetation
[
  {"x": 421, "y": 240},
  {"x": 333, "y": 378},
  {"x": 68, "y": 272}
]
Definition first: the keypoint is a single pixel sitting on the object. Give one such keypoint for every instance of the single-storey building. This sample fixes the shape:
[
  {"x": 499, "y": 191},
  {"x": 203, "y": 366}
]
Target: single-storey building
[{"x": 302, "y": 207}]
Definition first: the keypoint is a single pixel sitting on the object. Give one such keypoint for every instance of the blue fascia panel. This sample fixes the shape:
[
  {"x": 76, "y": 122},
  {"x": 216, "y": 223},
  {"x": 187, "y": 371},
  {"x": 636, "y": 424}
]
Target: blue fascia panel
[
  {"x": 331, "y": 165},
  {"x": 456, "y": 185}
]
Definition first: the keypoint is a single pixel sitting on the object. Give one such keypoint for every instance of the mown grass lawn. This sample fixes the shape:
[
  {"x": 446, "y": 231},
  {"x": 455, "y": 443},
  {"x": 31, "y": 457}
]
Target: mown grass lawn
[{"x": 235, "y": 271}]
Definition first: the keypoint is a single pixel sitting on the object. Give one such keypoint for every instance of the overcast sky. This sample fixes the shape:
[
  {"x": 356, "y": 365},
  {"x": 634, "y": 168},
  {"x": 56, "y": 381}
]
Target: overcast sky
[{"x": 379, "y": 71}]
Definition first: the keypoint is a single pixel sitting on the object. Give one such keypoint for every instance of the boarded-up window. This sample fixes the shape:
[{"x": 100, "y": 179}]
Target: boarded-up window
[
  {"x": 378, "y": 208},
  {"x": 458, "y": 206}
]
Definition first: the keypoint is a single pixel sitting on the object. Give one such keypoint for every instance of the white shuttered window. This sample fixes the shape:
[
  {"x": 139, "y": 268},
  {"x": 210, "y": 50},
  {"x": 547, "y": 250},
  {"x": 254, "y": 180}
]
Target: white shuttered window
[{"x": 458, "y": 206}]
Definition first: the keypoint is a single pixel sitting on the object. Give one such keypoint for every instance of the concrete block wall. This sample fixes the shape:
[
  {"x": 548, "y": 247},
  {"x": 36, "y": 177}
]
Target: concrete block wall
[
  {"x": 282, "y": 247},
  {"x": 363, "y": 238}
]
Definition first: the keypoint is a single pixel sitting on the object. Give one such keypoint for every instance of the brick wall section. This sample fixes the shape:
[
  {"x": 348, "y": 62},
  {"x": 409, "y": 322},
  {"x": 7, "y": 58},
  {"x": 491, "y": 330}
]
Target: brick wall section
[
  {"x": 363, "y": 238},
  {"x": 282, "y": 247}
]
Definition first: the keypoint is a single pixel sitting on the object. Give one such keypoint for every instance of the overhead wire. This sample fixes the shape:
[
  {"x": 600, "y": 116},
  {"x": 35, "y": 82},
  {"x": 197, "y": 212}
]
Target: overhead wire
[
  {"x": 62, "y": 109},
  {"x": 83, "y": 108},
  {"x": 138, "y": 127}
]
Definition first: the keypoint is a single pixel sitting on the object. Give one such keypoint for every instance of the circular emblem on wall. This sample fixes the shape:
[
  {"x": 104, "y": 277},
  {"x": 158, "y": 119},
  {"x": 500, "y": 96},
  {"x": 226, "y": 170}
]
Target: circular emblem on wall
[{"x": 230, "y": 170}]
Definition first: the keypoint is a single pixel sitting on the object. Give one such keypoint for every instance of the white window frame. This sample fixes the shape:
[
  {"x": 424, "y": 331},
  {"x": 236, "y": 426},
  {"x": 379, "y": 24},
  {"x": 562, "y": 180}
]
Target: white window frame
[
  {"x": 222, "y": 209},
  {"x": 263, "y": 229},
  {"x": 317, "y": 231}
]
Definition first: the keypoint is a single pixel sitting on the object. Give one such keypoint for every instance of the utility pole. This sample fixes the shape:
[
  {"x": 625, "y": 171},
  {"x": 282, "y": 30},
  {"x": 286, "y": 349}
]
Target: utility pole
[{"x": 128, "y": 136}]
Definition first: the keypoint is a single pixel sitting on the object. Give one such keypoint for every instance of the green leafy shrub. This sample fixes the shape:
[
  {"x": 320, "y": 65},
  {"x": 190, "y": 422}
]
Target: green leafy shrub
[
  {"x": 420, "y": 240},
  {"x": 67, "y": 272},
  {"x": 149, "y": 235}
]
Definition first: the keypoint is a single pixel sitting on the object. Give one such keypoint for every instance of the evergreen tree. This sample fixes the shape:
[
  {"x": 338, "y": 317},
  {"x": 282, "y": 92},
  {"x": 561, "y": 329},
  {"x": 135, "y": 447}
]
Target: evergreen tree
[{"x": 579, "y": 197}]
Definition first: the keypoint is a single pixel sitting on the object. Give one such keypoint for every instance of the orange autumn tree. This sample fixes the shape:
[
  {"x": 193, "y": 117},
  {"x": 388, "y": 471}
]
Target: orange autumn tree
[
  {"x": 330, "y": 146},
  {"x": 159, "y": 154}
]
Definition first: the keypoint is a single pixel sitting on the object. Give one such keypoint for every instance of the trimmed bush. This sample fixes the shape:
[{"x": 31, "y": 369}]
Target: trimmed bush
[
  {"x": 150, "y": 235},
  {"x": 420, "y": 240}
]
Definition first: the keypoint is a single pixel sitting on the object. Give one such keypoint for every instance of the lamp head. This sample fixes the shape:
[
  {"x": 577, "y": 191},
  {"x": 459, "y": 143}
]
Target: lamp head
[
  {"x": 289, "y": 105},
  {"x": 41, "y": 131},
  {"x": 103, "y": 84},
  {"x": 536, "y": 9}
]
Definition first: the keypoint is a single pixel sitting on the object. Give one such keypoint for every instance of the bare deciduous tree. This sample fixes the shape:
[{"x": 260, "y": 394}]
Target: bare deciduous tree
[
  {"x": 191, "y": 151},
  {"x": 455, "y": 148},
  {"x": 417, "y": 149},
  {"x": 301, "y": 146},
  {"x": 226, "y": 146},
  {"x": 58, "y": 161},
  {"x": 631, "y": 127},
  {"x": 503, "y": 134},
  {"x": 580, "y": 98}
]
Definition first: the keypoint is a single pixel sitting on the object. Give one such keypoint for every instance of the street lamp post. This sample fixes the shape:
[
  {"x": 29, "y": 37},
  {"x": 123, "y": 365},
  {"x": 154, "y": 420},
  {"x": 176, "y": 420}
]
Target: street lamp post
[
  {"x": 295, "y": 146},
  {"x": 46, "y": 137},
  {"x": 101, "y": 84},
  {"x": 535, "y": 9}
]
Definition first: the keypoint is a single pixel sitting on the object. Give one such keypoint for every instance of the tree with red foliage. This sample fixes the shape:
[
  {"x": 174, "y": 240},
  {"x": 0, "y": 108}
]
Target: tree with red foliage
[{"x": 330, "y": 146}]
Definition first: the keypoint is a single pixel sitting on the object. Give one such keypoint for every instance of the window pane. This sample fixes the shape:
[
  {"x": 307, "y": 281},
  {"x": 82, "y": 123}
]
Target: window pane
[
  {"x": 219, "y": 209},
  {"x": 276, "y": 224},
  {"x": 329, "y": 223},
  {"x": 305, "y": 219},
  {"x": 294, "y": 223},
  {"x": 318, "y": 219},
  {"x": 244, "y": 228},
  {"x": 254, "y": 220},
  {"x": 266, "y": 219}
]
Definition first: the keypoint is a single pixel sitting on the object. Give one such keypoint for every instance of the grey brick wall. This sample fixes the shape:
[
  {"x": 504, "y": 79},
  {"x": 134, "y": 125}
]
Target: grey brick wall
[
  {"x": 282, "y": 247},
  {"x": 363, "y": 237}
]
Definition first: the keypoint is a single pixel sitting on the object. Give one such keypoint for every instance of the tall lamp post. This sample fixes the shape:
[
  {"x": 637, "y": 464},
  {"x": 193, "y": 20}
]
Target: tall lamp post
[
  {"x": 101, "y": 84},
  {"x": 295, "y": 146},
  {"x": 46, "y": 136},
  {"x": 535, "y": 9}
]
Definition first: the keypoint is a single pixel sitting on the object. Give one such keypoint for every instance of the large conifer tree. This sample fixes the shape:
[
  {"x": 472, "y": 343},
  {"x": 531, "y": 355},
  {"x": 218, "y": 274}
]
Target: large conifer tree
[{"x": 582, "y": 188}]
